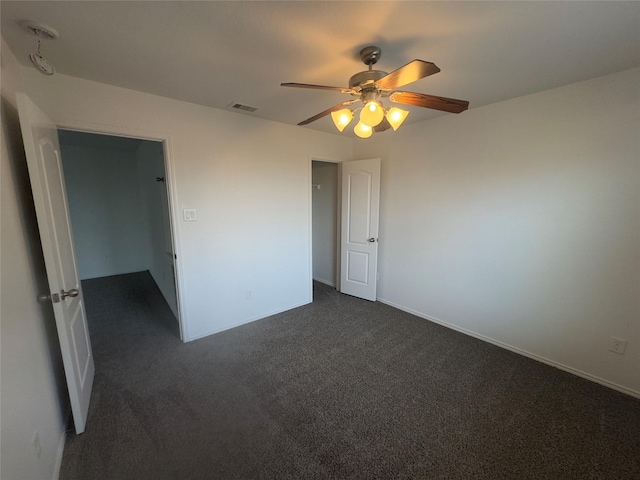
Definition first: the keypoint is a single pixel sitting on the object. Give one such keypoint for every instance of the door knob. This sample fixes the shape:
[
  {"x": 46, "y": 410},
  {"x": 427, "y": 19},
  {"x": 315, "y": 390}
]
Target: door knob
[
  {"x": 74, "y": 292},
  {"x": 372, "y": 240}
]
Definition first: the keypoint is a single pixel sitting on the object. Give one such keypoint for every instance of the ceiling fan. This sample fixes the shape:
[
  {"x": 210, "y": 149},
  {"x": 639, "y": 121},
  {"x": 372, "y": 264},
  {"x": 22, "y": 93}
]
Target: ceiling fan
[{"x": 370, "y": 86}]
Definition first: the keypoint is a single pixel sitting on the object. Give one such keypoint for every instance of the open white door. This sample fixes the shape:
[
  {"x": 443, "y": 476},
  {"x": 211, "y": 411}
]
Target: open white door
[
  {"x": 359, "y": 238},
  {"x": 47, "y": 183}
]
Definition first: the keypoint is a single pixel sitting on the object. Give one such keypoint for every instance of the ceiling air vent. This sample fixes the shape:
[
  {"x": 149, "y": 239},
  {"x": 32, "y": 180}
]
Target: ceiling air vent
[{"x": 239, "y": 106}]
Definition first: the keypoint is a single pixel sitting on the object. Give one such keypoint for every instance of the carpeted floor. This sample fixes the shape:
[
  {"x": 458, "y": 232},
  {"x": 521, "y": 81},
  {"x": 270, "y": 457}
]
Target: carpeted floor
[{"x": 339, "y": 389}]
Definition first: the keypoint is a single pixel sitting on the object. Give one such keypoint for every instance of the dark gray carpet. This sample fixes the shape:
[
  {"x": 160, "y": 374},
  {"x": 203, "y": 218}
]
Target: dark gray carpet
[{"x": 342, "y": 388}]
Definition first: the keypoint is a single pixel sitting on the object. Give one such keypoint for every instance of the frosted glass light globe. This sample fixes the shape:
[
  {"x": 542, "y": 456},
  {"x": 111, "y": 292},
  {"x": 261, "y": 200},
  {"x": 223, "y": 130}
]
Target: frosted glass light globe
[
  {"x": 362, "y": 130},
  {"x": 396, "y": 116},
  {"x": 342, "y": 118},
  {"x": 372, "y": 114}
]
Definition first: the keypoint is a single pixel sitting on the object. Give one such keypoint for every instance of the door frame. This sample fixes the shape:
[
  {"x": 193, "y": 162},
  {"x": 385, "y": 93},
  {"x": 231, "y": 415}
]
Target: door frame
[
  {"x": 165, "y": 138},
  {"x": 320, "y": 158}
]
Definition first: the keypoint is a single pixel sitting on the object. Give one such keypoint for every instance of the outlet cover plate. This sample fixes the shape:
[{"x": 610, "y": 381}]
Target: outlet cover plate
[{"x": 617, "y": 345}]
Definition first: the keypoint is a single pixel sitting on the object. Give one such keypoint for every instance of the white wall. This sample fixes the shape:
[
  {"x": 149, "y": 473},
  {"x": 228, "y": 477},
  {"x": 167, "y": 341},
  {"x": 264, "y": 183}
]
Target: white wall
[
  {"x": 325, "y": 221},
  {"x": 247, "y": 178},
  {"x": 107, "y": 213},
  {"x": 150, "y": 164},
  {"x": 520, "y": 222},
  {"x": 33, "y": 395}
]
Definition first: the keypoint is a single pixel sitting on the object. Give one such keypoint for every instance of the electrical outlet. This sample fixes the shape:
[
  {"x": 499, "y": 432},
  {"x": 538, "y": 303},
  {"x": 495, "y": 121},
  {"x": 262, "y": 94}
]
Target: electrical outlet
[
  {"x": 36, "y": 444},
  {"x": 617, "y": 345},
  {"x": 249, "y": 295}
]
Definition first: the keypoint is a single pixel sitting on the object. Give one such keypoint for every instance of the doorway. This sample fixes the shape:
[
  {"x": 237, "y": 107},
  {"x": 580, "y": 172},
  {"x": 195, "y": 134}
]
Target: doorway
[
  {"x": 120, "y": 208},
  {"x": 325, "y": 222}
]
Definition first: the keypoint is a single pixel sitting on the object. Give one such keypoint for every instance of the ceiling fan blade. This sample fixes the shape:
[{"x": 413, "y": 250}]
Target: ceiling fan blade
[
  {"x": 382, "y": 126},
  {"x": 335, "y": 108},
  {"x": 411, "y": 72},
  {"x": 318, "y": 87},
  {"x": 450, "y": 105}
]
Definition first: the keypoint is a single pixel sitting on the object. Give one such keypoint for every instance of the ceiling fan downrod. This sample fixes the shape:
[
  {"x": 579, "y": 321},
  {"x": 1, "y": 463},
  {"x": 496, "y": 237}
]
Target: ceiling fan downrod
[{"x": 369, "y": 56}]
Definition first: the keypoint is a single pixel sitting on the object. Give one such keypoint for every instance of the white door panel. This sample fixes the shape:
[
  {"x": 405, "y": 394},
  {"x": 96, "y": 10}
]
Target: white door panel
[
  {"x": 47, "y": 184},
  {"x": 359, "y": 242}
]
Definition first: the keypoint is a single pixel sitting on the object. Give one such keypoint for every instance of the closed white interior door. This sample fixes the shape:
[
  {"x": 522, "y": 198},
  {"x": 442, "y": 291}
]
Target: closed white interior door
[
  {"x": 47, "y": 183},
  {"x": 359, "y": 238}
]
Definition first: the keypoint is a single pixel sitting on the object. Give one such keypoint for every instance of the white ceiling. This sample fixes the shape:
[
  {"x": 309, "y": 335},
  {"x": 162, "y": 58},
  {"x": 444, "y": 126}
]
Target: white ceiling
[{"x": 216, "y": 53}]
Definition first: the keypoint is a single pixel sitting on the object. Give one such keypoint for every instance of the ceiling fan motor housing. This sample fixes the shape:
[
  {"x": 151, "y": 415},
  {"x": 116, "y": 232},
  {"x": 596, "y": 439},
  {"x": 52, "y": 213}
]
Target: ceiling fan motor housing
[{"x": 366, "y": 77}]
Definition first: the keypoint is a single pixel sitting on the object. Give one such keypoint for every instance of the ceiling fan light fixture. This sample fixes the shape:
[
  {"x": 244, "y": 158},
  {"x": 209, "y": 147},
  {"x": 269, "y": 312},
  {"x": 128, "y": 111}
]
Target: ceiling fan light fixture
[
  {"x": 362, "y": 130},
  {"x": 342, "y": 118},
  {"x": 369, "y": 87},
  {"x": 395, "y": 117},
  {"x": 372, "y": 113}
]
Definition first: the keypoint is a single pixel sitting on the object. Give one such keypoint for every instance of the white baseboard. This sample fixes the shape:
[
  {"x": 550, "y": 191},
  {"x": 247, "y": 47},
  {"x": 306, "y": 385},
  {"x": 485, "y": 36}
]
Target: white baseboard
[
  {"x": 238, "y": 324},
  {"x": 517, "y": 350},
  {"x": 326, "y": 282},
  {"x": 60, "y": 452}
]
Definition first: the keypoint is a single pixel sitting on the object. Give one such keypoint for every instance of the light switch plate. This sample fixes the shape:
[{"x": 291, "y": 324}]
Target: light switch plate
[{"x": 189, "y": 215}]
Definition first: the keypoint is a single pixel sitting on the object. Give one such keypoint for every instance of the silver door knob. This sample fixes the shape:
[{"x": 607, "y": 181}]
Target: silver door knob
[
  {"x": 74, "y": 292},
  {"x": 372, "y": 240}
]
